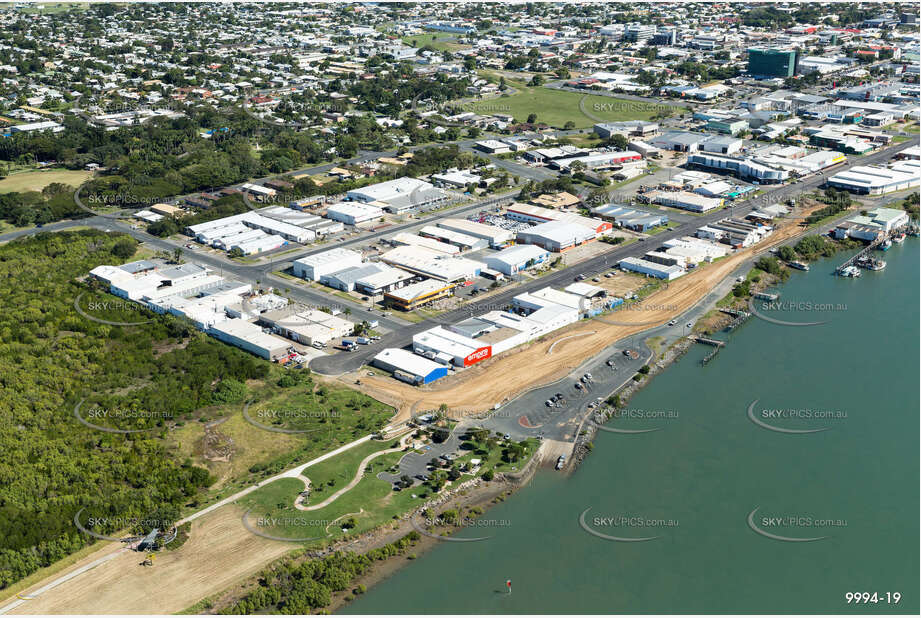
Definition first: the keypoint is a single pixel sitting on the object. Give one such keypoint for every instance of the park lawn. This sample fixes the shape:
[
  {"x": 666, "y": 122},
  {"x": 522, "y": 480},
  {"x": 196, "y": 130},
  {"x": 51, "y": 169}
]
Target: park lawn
[
  {"x": 372, "y": 503},
  {"x": 342, "y": 468},
  {"x": 556, "y": 107},
  {"x": 39, "y": 179},
  {"x": 439, "y": 42}
]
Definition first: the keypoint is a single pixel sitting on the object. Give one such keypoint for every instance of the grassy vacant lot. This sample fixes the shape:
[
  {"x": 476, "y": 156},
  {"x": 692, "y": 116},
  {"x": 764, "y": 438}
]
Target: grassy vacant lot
[
  {"x": 556, "y": 107},
  {"x": 440, "y": 42},
  {"x": 38, "y": 180}
]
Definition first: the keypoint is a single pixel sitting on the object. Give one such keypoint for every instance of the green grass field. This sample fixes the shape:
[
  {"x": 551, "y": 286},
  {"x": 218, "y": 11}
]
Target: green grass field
[
  {"x": 372, "y": 502},
  {"x": 556, "y": 107},
  {"x": 38, "y": 180},
  {"x": 439, "y": 42}
]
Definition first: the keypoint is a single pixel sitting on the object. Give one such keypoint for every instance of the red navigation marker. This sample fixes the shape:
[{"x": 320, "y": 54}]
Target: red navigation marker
[{"x": 508, "y": 584}]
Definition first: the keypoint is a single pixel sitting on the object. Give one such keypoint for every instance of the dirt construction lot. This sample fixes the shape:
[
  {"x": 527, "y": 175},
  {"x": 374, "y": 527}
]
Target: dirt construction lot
[
  {"x": 478, "y": 388},
  {"x": 218, "y": 553}
]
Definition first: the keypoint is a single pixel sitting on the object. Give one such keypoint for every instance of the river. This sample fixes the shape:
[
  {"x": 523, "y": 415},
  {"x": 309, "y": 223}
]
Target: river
[{"x": 695, "y": 481}]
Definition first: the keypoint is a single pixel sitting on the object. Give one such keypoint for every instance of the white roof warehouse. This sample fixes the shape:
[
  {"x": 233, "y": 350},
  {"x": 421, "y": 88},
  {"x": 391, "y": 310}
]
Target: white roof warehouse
[{"x": 399, "y": 195}]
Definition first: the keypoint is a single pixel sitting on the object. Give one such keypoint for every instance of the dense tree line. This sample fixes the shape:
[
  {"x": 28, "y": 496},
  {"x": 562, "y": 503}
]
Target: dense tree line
[
  {"x": 51, "y": 358},
  {"x": 294, "y": 586}
]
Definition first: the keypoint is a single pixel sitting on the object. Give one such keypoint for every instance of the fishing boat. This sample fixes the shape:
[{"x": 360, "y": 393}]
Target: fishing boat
[
  {"x": 865, "y": 261},
  {"x": 884, "y": 246},
  {"x": 798, "y": 265},
  {"x": 899, "y": 238}
]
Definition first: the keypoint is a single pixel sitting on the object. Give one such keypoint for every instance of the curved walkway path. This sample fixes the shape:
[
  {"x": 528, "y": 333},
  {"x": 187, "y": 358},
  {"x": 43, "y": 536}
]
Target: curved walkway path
[{"x": 358, "y": 476}]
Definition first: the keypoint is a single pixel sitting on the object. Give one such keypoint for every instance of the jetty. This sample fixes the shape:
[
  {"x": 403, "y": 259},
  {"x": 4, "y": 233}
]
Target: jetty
[
  {"x": 717, "y": 346},
  {"x": 738, "y": 317}
]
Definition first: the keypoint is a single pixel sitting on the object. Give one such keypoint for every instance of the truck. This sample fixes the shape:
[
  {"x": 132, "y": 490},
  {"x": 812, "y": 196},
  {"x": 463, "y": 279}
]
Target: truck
[{"x": 363, "y": 340}]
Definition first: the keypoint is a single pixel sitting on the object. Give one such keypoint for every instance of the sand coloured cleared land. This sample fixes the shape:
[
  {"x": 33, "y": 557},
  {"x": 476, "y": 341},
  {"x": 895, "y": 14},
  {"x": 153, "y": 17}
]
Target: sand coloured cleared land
[{"x": 218, "y": 553}]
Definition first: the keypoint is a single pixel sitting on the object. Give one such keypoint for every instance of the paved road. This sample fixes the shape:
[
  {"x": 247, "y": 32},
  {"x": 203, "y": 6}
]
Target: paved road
[{"x": 342, "y": 363}]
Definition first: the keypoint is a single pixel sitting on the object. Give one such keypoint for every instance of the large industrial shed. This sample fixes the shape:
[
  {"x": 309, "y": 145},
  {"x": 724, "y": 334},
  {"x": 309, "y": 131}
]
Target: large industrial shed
[
  {"x": 556, "y": 236},
  {"x": 495, "y": 236},
  {"x": 353, "y": 213},
  {"x": 510, "y": 261},
  {"x": 450, "y": 346},
  {"x": 247, "y": 336},
  {"x": 645, "y": 267},
  {"x": 409, "y": 367},
  {"x": 315, "y": 266}
]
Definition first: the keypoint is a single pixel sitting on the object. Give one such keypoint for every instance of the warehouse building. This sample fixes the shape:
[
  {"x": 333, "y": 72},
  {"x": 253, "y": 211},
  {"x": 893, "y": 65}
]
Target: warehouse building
[
  {"x": 495, "y": 236},
  {"x": 684, "y": 200},
  {"x": 741, "y": 167},
  {"x": 629, "y": 128},
  {"x": 645, "y": 267},
  {"x": 247, "y": 336},
  {"x": 597, "y": 161},
  {"x": 464, "y": 242},
  {"x": 734, "y": 232},
  {"x": 415, "y": 295},
  {"x": 353, "y": 213},
  {"x": 445, "y": 346},
  {"x": 399, "y": 195},
  {"x": 557, "y": 236},
  {"x": 265, "y": 242},
  {"x": 687, "y": 141},
  {"x": 307, "y": 326},
  {"x": 538, "y": 214},
  {"x": 371, "y": 279},
  {"x": 409, "y": 367},
  {"x": 514, "y": 259},
  {"x": 868, "y": 227},
  {"x": 405, "y": 238},
  {"x": 627, "y": 218},
  {"x": 315, "y": 266},
  {"x": 530, "y": 302},
  {"x": 432, "y": 264},
  {"x": 874, "y": 180},
  {"x": 696, "y": 250},
  {"x": 210, "y": 231}
]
